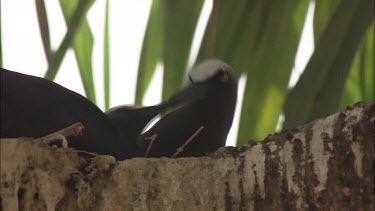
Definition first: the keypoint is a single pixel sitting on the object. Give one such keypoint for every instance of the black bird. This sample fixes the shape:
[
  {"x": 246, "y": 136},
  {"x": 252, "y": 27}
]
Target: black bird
[
  {"x": 205, "y": 119},
  {"x": 35, "y": 107}
]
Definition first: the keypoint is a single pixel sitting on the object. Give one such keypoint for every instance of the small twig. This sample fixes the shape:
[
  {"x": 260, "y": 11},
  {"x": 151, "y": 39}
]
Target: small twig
[
  {"x": 73, "y": 130},
  {"x": 152, "y": 139},
  {"x": 180, "y": 149}
]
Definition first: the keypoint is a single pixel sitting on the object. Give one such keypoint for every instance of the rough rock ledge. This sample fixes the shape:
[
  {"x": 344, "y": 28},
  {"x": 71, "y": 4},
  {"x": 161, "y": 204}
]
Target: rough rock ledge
[{"x": 327, "y": 164}]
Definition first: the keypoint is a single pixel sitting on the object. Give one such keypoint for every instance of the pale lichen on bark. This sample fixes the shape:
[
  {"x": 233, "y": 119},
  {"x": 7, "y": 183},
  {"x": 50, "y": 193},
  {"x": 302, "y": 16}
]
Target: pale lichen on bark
[
  {"x": 327, "y": 164},
  {"x": 322, "y": 131}
]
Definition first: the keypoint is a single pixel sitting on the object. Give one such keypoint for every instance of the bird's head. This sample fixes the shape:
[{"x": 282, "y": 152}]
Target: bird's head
[
  {"x": 213, "y": 70},
  {"x": 208, "y": 79}
]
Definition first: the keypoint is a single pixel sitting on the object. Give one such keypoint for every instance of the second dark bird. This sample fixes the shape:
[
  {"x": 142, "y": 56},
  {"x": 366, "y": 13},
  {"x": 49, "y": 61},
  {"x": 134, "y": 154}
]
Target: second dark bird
[{"x": 210, "y": 101}]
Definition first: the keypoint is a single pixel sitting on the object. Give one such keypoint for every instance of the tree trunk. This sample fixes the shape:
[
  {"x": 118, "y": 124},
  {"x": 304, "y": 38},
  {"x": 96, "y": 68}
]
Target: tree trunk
[{"x": 327, "y": 164}]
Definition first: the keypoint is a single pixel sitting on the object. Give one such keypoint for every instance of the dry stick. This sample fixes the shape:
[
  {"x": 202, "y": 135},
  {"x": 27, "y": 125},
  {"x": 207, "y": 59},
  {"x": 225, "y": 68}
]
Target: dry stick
[
  {"x": 180, "y": 149},
  {"x": 73, "y": 130},
  {"x": 152, "y": 139}
]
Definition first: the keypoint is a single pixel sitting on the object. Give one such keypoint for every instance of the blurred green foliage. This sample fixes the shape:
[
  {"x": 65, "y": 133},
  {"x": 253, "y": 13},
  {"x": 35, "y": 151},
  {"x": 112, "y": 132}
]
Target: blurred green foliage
[
  {"x": 320, "y": 89},
  {"x": 261, "y": 42}
]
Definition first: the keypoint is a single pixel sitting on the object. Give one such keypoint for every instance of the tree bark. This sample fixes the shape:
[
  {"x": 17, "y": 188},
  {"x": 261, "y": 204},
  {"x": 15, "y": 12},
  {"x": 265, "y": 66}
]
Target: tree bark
[{"x": 327, "y": 164}]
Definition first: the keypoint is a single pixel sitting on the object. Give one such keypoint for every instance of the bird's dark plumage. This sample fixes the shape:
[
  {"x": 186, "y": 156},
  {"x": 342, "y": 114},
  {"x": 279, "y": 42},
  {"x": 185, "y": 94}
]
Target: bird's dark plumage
[
  {"x": 213, "y": 95},
  {"x": 35, "y": 107}
]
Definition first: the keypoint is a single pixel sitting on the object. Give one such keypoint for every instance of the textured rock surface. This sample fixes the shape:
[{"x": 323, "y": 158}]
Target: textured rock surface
[{"x": 326, "y": 164}]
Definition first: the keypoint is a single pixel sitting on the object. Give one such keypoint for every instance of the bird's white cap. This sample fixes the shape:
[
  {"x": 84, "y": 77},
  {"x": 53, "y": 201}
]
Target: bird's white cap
[{"x": 207, "y": 69}]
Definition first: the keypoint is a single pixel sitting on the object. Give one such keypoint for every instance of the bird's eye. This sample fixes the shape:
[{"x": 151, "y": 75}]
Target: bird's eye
[{"x": 223, "y": 75}]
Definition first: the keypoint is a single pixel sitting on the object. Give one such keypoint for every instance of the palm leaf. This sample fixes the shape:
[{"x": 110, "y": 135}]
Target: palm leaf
[
  {"x": 320, "y": 88},
  {"x": 179, "y": 21},
  {"x": 360, "y": 83},
  {"x": 82, "y": 45},
  {"x": 259, "y": 39},
  {"x": 106, "y": 59},
  {"x": 151, "y": 51},
  {"x": 44, "y": 28}
]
